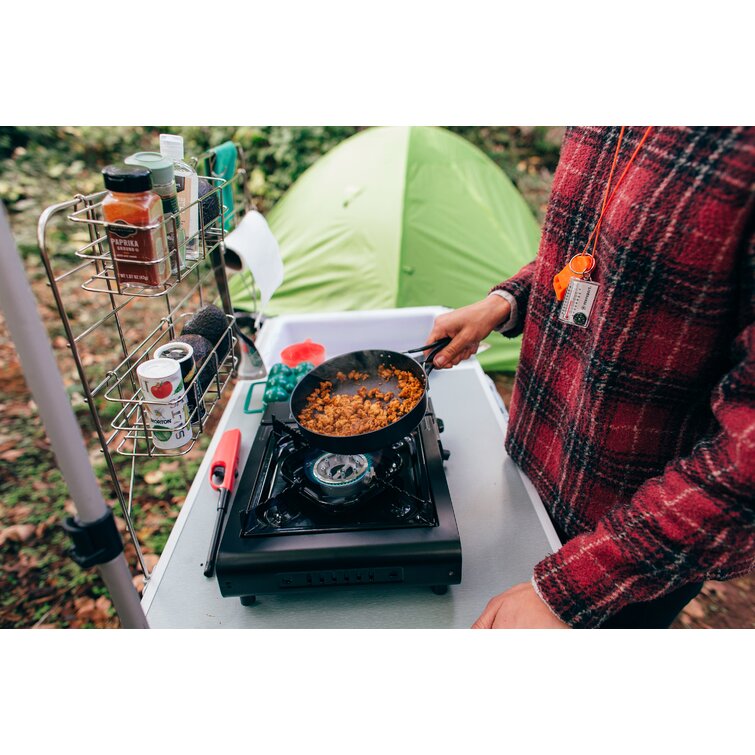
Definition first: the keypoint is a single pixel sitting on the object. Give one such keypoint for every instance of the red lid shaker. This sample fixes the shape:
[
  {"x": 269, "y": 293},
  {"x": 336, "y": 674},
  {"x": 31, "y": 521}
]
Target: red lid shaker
[{"x": 306, "y": 351}]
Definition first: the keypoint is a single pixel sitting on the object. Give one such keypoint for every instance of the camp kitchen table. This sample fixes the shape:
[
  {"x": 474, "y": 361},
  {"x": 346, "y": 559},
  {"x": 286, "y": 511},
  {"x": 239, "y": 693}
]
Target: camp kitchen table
[{"x": 502, "y": 523}]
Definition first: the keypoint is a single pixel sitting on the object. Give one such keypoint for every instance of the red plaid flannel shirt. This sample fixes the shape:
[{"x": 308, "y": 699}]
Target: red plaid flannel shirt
[{"x": 639, "y": 431}]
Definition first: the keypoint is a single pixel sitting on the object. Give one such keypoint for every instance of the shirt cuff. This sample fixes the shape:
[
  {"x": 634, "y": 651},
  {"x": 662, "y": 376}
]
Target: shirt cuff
[
  {"x": 542, "y": 597},
  {"x": 510, "y": 322},
  {"x": 585, "y": 581}
]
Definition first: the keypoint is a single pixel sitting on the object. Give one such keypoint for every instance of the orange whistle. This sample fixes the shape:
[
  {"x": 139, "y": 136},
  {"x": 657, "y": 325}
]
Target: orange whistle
[{"x": 578, "y": 266}]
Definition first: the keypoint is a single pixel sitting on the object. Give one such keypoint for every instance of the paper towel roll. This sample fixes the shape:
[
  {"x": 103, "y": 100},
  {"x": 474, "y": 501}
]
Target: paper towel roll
[{"x": 252, "y": 246}]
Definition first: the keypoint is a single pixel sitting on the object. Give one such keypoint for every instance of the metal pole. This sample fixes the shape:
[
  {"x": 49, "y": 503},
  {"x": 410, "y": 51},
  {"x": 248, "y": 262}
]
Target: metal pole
[{"x": 44, "y": 380}]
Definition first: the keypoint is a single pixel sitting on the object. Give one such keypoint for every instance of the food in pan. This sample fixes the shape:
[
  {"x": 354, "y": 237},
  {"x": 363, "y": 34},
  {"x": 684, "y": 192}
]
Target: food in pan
[
  {"x": 352, "y": 375},
  {"x": 368, "y": 409}
]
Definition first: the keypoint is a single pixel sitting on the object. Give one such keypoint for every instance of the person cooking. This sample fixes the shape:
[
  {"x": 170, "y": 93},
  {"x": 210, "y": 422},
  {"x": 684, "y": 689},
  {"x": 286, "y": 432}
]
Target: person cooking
[{"x": 633, "y": 409}]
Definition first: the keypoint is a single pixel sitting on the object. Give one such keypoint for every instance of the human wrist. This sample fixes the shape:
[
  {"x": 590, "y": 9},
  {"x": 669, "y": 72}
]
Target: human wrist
[{"x": 499, "y": 310}]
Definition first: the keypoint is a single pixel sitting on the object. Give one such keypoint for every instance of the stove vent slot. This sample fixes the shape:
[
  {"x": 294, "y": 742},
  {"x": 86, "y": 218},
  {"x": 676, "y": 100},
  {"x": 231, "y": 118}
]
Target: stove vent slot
[{"x": 330, "y": 577}]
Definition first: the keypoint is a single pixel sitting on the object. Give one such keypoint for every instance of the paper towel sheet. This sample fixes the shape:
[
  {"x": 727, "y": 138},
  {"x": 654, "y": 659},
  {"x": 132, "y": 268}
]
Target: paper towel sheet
[{"x": 255, "y": 244}]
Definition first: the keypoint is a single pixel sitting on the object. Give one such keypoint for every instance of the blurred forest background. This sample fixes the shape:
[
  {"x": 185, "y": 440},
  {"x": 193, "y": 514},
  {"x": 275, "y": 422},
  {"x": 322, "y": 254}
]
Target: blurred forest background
[{"x": 39, "y": 585}]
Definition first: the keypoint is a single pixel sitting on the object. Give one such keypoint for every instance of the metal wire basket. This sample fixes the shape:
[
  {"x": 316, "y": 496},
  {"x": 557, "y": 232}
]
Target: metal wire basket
[
  {"x": 131, "y": 321},
  {"x": 104, "y": 277}
]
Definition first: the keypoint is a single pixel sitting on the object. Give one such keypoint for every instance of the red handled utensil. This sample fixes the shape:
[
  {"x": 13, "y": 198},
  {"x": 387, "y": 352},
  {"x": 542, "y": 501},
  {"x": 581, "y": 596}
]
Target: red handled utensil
[{"x": 222, "y": 478}]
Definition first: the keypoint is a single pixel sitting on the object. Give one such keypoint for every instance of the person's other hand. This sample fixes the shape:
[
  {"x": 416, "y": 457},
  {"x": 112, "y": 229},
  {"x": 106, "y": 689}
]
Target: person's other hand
[
  {"x": 518, "y": 608},
  {"x": 467, "y": 326}
]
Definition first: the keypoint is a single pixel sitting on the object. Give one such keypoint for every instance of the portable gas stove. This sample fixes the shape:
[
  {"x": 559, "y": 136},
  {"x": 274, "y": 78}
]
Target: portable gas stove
[{"x": 303, "y": 518}]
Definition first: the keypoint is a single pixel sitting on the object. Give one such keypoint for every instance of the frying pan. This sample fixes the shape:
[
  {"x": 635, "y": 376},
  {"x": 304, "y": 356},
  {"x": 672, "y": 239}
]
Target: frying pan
[{"x": 366, "y": 361}]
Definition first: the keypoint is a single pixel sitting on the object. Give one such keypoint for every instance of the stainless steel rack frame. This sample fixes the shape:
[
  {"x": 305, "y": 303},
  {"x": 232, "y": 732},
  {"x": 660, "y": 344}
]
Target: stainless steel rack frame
[{"x": 132, "y": 321}]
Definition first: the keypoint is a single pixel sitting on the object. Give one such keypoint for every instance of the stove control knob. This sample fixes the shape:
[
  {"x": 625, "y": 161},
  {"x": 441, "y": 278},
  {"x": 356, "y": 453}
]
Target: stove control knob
[
  {"x": 444, "y": 454},
  {"x": 441, "y": 425}
]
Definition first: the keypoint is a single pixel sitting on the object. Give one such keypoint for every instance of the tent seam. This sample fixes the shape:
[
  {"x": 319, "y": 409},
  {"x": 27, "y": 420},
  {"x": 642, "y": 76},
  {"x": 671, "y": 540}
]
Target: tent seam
[{"x": 399, "y": 271}]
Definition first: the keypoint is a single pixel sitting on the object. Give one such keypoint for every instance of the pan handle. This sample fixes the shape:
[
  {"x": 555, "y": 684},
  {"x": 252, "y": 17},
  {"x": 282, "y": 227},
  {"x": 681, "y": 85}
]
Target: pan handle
[
  {"x": 441, "y": 343},
  {"x": 434, "y": 348}
]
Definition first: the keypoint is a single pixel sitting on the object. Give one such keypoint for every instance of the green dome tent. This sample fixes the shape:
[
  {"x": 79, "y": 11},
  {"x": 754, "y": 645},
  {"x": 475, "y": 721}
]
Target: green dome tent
[{"x": 399, "y": 217}]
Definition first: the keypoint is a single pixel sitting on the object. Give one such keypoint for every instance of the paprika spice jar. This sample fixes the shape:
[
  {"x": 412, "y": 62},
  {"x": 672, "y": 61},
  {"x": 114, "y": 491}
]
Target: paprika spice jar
[
  {"x": 140, "y": 254},
  {"x": 164, "y": 185}
]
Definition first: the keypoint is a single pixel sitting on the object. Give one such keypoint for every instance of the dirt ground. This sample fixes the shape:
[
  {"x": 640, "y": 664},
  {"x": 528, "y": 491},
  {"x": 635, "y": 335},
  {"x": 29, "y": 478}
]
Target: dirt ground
[{"x": 40, "y": 586}]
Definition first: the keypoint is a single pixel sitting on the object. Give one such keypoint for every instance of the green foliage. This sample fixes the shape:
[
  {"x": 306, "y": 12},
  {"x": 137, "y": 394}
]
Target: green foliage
[{"x": 43, "y": 165}]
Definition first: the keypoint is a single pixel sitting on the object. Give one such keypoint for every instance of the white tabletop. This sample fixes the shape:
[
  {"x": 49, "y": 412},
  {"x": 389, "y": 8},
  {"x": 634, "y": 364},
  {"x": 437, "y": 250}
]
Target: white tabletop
[{"x": 503, "y": 528}]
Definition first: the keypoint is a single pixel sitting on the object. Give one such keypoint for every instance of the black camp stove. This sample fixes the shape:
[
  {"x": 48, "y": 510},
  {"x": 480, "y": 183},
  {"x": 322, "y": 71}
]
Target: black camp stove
[{"x": 303, "y": 518}]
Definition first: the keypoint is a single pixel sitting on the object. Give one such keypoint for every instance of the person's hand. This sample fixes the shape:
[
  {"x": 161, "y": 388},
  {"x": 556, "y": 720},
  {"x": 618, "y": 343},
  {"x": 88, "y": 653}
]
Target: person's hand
[
  {"x": 518, "y": 608},
  {"x": 467, "y": 326}
]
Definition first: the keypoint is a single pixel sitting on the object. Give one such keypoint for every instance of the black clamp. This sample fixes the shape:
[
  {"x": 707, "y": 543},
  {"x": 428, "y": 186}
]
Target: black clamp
[
  {"x": 95, "y": 542},
  {"x": 246, "y": 326}
]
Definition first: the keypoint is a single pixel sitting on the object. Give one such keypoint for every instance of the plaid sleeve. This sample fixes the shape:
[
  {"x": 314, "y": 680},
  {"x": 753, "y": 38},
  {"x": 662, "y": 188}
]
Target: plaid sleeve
[
  {"x": 694, "y": 522},
  {"x": 519, "y": 287}
]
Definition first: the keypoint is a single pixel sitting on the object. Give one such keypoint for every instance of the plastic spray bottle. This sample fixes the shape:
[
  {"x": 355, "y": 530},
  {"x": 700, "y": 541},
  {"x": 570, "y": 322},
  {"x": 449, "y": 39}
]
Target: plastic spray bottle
[{"x": 187, "y": 184}]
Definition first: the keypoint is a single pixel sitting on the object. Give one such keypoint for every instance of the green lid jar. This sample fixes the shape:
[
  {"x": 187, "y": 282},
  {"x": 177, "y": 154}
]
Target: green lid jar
[
  {"x": 164, "y": 185},
  {"x": 161, "y": 169}
]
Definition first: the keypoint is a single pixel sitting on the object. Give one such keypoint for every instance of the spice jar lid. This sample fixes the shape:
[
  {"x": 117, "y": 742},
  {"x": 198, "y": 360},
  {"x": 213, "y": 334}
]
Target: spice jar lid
[
  {"x": 160, "y": 168},
  {"x": 127, "y": 178}
]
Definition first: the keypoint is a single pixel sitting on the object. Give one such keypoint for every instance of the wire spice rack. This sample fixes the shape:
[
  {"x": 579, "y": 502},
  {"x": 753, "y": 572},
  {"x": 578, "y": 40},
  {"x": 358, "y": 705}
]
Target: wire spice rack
[
  {"x": 133, "y": 320},
  {"x": 104, "y": 278}
]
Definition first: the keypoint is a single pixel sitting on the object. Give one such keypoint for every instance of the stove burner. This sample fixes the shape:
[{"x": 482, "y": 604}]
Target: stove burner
[{"x": 341, "y": 474}]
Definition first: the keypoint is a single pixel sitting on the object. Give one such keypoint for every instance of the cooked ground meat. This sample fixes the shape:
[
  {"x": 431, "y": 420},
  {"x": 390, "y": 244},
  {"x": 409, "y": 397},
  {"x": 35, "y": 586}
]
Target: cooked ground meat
[
  {"x": 353, "y": 375},
  {"x": 366, "y": 410}
]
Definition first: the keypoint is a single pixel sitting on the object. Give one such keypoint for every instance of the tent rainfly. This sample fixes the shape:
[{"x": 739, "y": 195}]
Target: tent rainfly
[{"x": 399, "y": 217}]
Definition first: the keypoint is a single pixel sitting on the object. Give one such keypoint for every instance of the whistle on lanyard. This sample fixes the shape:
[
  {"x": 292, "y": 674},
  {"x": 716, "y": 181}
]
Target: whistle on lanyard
[{"x": 580, "y": 266}]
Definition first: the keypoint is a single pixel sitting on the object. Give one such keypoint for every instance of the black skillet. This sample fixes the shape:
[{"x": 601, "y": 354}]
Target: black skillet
[{"x": 366, "y": 361}]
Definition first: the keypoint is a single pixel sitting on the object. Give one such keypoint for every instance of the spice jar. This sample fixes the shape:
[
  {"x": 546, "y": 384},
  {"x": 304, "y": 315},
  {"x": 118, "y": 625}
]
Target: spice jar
[
  {"x": 140, "y": 254},
  {"x": 164, "y": 185}
]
